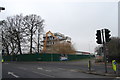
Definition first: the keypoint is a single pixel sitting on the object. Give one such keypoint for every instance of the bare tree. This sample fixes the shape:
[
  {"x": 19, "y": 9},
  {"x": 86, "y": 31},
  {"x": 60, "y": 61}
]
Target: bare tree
[
  {"x": 99, "y": 50},
  {"x": 5, "y": 42},
  {"x": 33, "y": 22},
  {"x": 20, "y": 29},
  {"x": 8, "y": 40},
  {"x": 112, "y": 48},
  {"x": 13, "y": 30},
  {"x": 62, "y": 48}
]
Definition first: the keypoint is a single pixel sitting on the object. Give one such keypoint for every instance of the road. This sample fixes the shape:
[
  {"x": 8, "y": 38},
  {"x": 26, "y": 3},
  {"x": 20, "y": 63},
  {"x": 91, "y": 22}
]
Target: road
[{"x": 44, "y": 70}]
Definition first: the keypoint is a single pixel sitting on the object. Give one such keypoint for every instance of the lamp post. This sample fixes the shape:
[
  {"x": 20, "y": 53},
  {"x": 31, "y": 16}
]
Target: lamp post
[{"x": 1, "y": 8}]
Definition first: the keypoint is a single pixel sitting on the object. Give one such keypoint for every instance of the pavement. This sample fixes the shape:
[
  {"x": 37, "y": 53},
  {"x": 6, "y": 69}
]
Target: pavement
[
  {"x": 63, "y": 69},
  {"x": 44, "y": 70},
  {"x": 97, "y": 68}
]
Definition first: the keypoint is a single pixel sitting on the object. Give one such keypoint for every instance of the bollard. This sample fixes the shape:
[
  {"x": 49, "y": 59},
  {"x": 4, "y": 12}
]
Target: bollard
[
  {"x": 89, "y": 65},
  {"x": 114, "y": 63}
]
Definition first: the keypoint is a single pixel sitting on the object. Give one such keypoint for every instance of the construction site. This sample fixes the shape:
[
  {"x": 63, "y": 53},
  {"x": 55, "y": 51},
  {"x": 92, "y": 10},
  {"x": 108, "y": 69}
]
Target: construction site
[
  {"x": 55, "y": 47},
  {"x": 56, "y": 43}
]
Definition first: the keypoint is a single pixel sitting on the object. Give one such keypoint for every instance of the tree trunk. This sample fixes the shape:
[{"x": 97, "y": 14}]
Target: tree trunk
[
  {"x": 31, "y": 42},
  {"x": 7, "y": 50},
  {"x": 19, "y": 46},
  {"x": 38, "y": 42}
]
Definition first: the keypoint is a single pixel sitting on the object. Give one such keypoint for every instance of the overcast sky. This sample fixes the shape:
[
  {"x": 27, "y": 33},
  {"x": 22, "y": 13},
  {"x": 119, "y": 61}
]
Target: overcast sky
[{"x": 77, "y": 19}]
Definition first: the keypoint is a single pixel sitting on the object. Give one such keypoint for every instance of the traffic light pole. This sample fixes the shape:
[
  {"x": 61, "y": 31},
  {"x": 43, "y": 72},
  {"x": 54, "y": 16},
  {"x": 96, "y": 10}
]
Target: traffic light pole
[{"x": 104, "y": 50}]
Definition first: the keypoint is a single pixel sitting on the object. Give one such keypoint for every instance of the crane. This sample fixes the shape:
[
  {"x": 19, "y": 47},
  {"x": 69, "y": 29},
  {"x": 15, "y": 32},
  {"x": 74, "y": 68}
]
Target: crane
[{"x": 46, "y": 38}]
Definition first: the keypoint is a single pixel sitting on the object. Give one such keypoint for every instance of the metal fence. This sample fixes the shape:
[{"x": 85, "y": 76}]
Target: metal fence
[{"x": 43, "y": 57}]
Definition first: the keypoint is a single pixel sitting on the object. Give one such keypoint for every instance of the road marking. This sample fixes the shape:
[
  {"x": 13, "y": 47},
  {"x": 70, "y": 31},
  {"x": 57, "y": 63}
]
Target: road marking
[
  {"x": 44, "y": 74},
  {"x": 118, "y": 77},
  {"x": 73, "y": 70},
  {"x": 61, "y": 68},
  {"x": 40, "y": 68},
  {"x": 68, "y": 69},
  {"x": 13, "y": 74},
  {"x": 48, "y": 70},
  {"x": 22, "y": 68},
  {"x": 45, "y": 70}
]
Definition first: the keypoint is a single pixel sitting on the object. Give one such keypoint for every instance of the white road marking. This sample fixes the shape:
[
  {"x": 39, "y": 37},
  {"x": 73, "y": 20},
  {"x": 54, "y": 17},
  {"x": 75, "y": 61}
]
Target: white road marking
[
  {"x": 73, "y": 70},
  {"x": 22, "y": 68},
  {"x": 48, "y": 70},
  {"x": 68, "y": 70},
  {"x": 44, "y": 74},
  {"x": 11, "y": 73},
  {"x": 61, "y": 68},
  {"x": 40, "y": 68},
  {"x": 118, "y": 77},
  {"x": 43, "y": 69}
]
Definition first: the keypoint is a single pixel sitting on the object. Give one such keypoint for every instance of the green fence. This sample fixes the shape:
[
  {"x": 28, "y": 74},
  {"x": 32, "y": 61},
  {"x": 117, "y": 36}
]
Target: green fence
[{"x": 42, "y": 57}]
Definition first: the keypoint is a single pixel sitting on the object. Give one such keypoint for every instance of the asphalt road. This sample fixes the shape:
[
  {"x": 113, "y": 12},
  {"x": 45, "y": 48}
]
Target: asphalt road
[{"x": 45, "y": 70}]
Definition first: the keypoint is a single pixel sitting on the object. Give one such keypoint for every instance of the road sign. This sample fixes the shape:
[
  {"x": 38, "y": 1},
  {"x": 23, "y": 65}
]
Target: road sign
[
  {"x": 114, "y": 63},
  {"x": 2, "y": 60}
]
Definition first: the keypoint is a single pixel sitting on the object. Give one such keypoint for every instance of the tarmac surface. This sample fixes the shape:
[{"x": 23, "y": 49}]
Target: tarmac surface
[{"x": 64, "y": 69}]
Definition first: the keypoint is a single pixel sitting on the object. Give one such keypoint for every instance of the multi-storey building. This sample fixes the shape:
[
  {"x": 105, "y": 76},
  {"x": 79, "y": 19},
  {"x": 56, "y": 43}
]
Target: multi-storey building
[{"x": 50, "y": 39}]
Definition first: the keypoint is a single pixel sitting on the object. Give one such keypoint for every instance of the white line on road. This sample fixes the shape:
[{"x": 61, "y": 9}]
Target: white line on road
[
  {"x": 44, "y": 74},
  {"x": 117, "y": 77},
  {"x": 68, "y": 69},
  {"x": 61, "y": 68},
  {"x": 11, "y": 73},
  {"x": 48, "y": 70},
  {"x": 45, "y": 70},
  {"x": 73, "y": 70},
  {"x": 22, "y": 68},
  {"x": 40, "y": 68}
]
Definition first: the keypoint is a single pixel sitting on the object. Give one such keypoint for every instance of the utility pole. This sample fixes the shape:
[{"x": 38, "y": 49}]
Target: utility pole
[
  {"x": 2, "y": 8},
  {"x": 104, "y": 50}
]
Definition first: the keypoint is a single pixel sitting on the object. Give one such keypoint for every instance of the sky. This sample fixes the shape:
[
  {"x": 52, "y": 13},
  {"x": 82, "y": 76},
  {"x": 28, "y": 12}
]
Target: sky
[{"x": 78, "y": 19}]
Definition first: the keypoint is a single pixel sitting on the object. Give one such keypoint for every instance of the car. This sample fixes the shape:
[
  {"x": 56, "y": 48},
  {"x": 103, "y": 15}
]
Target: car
[{"x": 63, "y": 58}]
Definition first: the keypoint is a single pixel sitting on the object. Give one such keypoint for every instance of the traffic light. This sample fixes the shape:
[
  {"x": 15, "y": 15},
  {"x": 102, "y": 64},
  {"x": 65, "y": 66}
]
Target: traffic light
[
  {"x": 2, "y": 8},
  {"x": 99, "y": 39},
  {"x": 107, "y": 35}
]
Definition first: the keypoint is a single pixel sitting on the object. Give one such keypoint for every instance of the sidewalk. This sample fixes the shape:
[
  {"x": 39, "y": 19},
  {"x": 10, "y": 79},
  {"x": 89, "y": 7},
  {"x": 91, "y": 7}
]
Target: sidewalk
[
  {"x": 96, "y": 68},
  {"x": 99, "y": 69}
]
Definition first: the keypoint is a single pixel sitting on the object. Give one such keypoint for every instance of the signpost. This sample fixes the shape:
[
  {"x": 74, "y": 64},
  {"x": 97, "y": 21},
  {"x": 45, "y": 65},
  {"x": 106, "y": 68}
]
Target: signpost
[{"x": 114, "y": 65}]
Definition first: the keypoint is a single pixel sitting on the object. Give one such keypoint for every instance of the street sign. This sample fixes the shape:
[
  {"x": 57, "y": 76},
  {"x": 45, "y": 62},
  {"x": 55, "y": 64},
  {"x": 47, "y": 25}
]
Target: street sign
[
  {"x": 114, "y": 63},
  {"x": 2, "y": 61}
]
